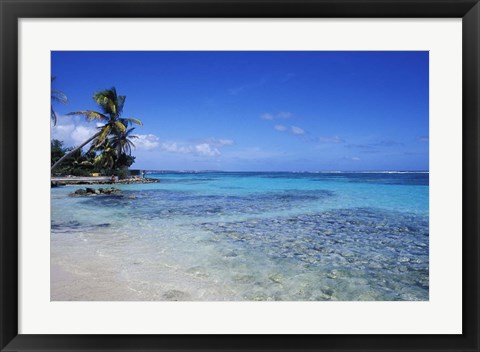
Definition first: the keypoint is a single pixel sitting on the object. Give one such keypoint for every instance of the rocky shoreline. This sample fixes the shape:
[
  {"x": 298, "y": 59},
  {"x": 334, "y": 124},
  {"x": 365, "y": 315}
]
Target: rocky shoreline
[
  {"x": 63, "y": 181},
  {"x": 96, "y": 191},
  {"x": 138, "y": 180}
]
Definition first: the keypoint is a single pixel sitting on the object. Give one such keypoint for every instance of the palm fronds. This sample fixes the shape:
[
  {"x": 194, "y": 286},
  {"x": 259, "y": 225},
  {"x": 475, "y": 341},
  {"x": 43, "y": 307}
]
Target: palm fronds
[
  {"x": 130, "y": 120},
  {"x": 110, "y": 103},
  {"x": 56, "y": 96},
  {"x": 90, "y": 115},
  {"x": 122, "y": 142}
]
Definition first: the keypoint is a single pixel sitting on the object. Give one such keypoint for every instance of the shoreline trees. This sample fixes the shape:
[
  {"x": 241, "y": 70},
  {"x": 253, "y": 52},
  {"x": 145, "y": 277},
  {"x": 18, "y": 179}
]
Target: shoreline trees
[{"x": 112, "y": 144}]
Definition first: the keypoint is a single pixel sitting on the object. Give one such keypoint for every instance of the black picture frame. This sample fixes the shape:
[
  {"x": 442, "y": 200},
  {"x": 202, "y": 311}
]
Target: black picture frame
[{"x": 12, "y": 10}]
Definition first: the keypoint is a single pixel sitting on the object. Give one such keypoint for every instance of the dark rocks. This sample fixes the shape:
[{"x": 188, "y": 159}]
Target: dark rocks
[
  {"x": 75, "y": 226},
  {"x": 276, "y": 278},
  {"x": 96, "y": 191},
  {"x": 136, "y": 180},
  {"x": 110, "y": 190},
  {"x": 175, "y": 295}
]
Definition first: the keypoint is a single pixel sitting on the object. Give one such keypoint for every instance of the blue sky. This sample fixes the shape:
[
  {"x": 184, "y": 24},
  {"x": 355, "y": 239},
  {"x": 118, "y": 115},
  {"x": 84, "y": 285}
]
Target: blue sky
[{"x": 257, "y": 111}]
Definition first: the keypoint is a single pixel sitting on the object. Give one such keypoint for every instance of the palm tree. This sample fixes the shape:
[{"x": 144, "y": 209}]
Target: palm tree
[
  {"x": 56, "y": 96},
  {"x": 108, "y": 157},
  {"x": 111, "y": 106},
  {"x": 122, "y": 142}
]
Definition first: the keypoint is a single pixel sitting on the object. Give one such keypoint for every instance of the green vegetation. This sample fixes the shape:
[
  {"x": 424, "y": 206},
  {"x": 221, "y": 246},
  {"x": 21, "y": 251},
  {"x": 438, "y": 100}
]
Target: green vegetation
[
  {"x": 111, "y": 147},
  {"x": 84, "y": 163}
]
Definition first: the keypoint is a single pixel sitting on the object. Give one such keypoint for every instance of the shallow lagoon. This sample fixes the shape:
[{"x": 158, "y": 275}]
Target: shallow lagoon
[{"x": 245, "y": 236}]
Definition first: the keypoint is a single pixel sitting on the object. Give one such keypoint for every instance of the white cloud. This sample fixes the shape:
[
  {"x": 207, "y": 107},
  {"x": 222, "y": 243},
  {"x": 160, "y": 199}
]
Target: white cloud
[
  {"x": 63, "y": 132},
  {"x": 351, "y": 158},
  {"x": 81, "y": 133},
  {"x": 293, "y": 129},
  {"x": 146, "y": 142},
  {"x": 297, "y": 130},
  {"x": 225, "y": 141},
  {"x": 173, "y": 147},
  {"x": 283, "y": 115},
  {"x": 202, "y": 149},
  {"x": 72, "y": 130},
  {"x": 216, "y": 142},
  {"x": 205, "y": 149},
  {"x": 208, "y": 147}
]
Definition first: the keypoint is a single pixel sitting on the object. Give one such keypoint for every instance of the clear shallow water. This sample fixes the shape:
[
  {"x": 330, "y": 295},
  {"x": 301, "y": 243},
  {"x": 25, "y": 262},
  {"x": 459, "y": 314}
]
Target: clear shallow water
[{"x": 245, "y": 236}]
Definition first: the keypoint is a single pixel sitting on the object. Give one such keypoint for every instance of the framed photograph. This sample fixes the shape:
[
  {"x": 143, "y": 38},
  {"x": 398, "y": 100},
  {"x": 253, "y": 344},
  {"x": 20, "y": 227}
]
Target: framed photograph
[{"x": 217, "y": 175}]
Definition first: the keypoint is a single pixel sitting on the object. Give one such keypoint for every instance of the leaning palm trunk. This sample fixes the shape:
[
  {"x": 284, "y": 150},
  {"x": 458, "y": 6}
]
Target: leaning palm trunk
[{"x": 59, "y": 161}]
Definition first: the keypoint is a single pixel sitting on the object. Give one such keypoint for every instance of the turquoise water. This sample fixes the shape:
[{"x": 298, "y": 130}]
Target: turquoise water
[{"x": 245, "y": 236}]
